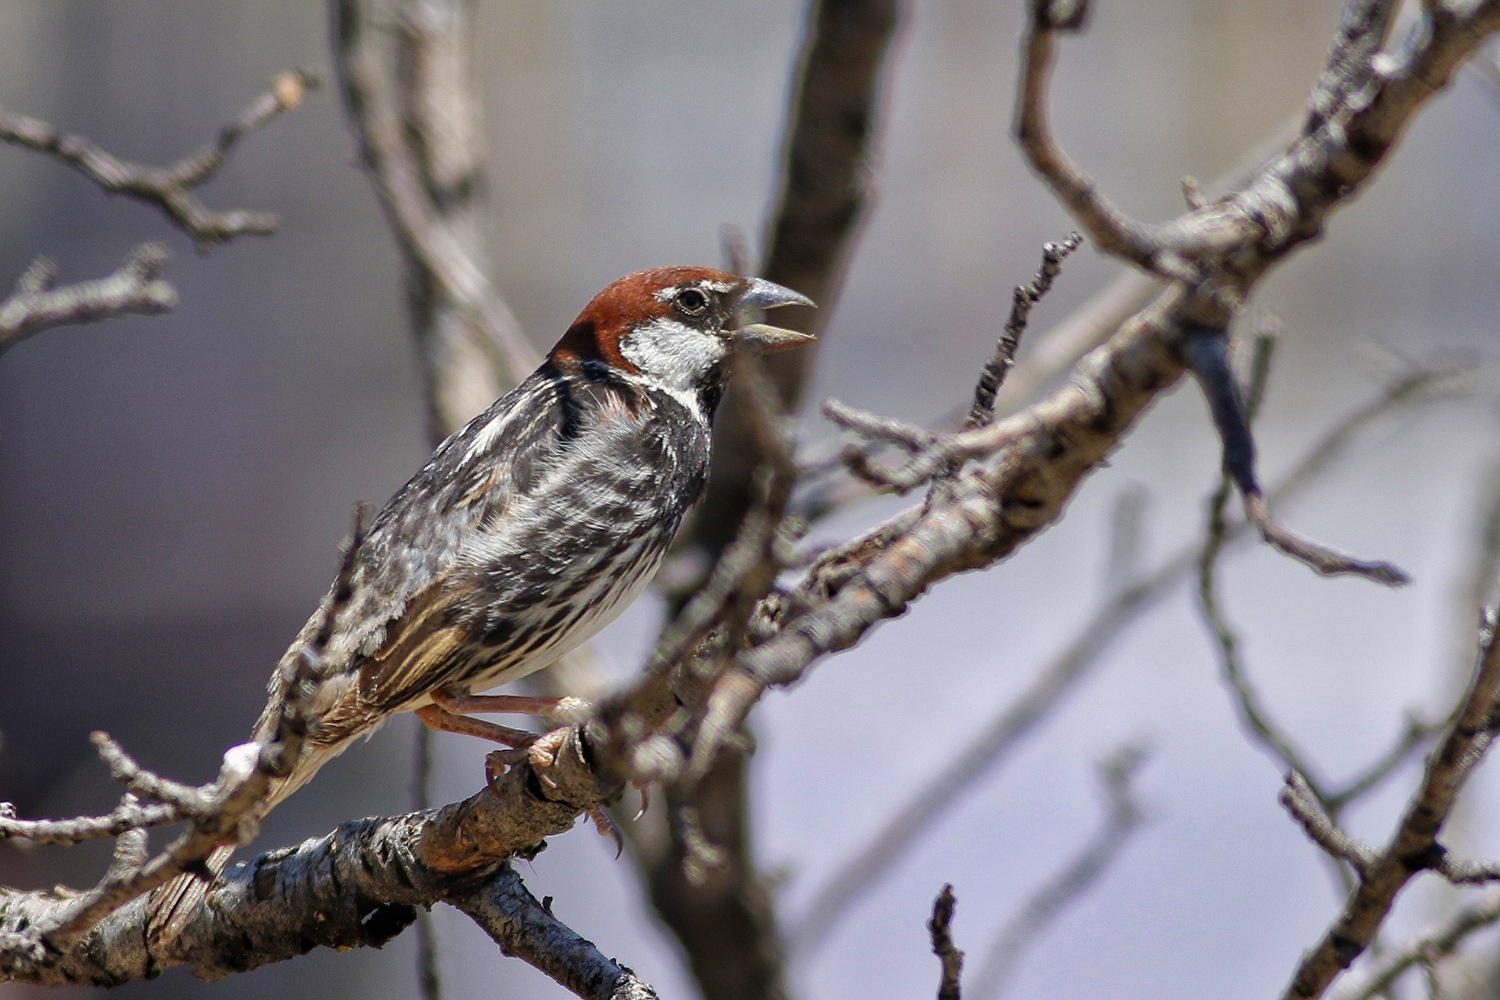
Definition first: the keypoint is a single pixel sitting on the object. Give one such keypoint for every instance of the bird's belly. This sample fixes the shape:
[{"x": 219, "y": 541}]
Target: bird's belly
[{"x": 594, "y": 607}]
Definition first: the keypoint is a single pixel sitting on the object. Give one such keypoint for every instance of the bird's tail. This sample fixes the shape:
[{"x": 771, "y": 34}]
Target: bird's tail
[{"x": 174, "y": 904}]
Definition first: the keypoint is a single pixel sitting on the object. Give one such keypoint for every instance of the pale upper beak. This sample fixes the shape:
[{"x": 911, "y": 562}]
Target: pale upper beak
[{"x": 762, "y": 294}]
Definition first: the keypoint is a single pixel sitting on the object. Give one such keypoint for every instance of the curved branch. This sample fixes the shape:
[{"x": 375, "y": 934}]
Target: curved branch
[
  {"x": 419, "y": 139},
  {"x": 1414, "y": 846},
  {"x": 171, "y": 188}
]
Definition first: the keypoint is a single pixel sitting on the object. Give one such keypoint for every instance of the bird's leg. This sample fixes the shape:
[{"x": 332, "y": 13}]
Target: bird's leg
[
  {"x": 541, "y": 750},
  {"x": 438, "y": 717},
  {"x": 566, "y": 709},
  {"x": 446, "y": 714}
]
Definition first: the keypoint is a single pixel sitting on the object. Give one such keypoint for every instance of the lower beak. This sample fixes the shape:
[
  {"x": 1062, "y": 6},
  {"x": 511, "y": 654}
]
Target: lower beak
[{"x": 762, "y": 294}]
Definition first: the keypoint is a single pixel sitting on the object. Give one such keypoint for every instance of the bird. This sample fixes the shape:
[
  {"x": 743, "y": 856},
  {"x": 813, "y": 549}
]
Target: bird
[{"x": 526, "y": 532}]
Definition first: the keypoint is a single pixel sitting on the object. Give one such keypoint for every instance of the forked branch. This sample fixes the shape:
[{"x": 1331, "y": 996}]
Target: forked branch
[{"x": 171, "y": 188}]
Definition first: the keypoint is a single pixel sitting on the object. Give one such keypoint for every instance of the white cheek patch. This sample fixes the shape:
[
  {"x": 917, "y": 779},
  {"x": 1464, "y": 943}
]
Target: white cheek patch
[{"x": 674, "y": 358}]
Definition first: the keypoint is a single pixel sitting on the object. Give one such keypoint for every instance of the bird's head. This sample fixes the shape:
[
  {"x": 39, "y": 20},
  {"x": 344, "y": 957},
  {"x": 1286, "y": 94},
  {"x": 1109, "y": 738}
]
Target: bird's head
[{"x": 674, "y": 328}]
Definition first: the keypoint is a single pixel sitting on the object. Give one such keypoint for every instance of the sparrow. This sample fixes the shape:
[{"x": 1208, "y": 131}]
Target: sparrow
[{"x": 528, "y": 530}]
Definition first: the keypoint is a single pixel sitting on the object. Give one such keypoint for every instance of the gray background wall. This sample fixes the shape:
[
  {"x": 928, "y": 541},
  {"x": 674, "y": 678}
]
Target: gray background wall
[{"x": 172, "y": 490}]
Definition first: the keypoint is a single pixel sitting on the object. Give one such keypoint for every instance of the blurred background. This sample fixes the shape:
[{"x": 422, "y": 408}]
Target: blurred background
[{"x": 173, "y": 489}]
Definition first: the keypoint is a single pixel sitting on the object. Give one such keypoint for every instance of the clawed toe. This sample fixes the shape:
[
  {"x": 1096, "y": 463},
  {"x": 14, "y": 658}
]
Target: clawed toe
[{"x": 539, "y": 751}]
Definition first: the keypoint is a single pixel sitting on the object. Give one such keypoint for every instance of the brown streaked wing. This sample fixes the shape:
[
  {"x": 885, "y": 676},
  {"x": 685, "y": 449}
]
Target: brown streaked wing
[{"x": 424, "y": 649}]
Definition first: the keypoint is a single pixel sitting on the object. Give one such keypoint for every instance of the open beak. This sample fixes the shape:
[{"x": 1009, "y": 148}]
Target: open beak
[{"x": 767, "y": 339}]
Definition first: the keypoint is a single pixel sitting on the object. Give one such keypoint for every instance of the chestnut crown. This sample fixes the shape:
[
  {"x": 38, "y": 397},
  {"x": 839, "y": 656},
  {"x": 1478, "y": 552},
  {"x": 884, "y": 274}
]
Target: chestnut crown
[{"x": 673, "y": 327}]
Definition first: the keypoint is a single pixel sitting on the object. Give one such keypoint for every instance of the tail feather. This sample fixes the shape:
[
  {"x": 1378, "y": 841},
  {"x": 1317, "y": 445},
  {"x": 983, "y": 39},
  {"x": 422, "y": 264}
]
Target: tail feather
[{"x": 174, "y": 904}]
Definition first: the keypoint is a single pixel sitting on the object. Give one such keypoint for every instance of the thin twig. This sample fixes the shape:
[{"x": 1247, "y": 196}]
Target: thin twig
[
  {"x": 1206, "y": 350},
  {"x": 171, "y": 188},
  {"x": 1319, "y": 558},
  {"x": 1306, "y": 807},
  {"x": 1025, "y": 297},
  {"x": 128, "y": 815},
  {"x": 940, "y": 928},
  {"x": 37, "y": 303},
  {"x": 1425, "y": 951},
  {"x": 835, "y": 899}
]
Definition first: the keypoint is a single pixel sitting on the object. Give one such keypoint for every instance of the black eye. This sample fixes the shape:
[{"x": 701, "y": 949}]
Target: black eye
[{"x": 691, "y": 301}]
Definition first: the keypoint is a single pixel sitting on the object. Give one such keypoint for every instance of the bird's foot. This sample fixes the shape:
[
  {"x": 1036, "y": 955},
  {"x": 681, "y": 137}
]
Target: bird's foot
[
  {"x": 541, "y": 754},
  {"x": 644, "y": 787},
  {"x": 540, "y": 751}
]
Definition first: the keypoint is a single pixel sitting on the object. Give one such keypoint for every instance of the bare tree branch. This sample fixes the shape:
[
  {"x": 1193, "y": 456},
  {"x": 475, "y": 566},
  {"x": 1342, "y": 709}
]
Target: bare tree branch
[
  {"x": 359, "y": 886},
  {"x": 418, "y": 129},
  {"x": 1414, "y": 846},
  {"x": 38, "y": 303},
  {"x": 171, "y": 188},
  {"x": 1026, "y": 296},
  {"x": 1207, "y": 353},
  {"x": 1303, "y": 803},
  {"x": 1425, "y": 951},
  {"x": 940, "y": 928},
  {"x": 526, "y": 929},
  {"x": 1016, "y": 720}
]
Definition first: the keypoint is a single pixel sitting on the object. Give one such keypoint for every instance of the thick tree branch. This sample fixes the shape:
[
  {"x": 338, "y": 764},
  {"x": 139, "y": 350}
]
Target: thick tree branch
[
  {"x": 359, "y": 886},
  {"x": 525, "y": 928}
]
